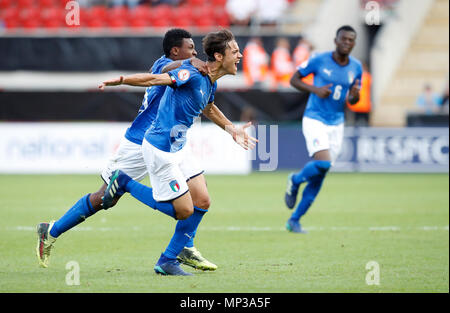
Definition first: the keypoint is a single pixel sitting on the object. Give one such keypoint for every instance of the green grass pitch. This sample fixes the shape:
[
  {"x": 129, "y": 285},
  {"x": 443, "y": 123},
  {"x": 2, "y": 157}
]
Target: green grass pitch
[{"x": 399, "y": 221}]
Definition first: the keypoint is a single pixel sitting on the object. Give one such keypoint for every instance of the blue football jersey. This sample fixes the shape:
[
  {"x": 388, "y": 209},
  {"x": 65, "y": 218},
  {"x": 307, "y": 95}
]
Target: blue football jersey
[
  {"x": 179, "y": 106},
  {"x": 147, "y": 112},
  {"x": 326, "y": 71}
]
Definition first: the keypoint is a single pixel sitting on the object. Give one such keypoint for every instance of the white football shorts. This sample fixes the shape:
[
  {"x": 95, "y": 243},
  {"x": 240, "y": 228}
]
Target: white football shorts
[
  {"x": 319, "y": 136},
  {"x": 127, "y": 158},
  {"x": 169, "y": 171}
]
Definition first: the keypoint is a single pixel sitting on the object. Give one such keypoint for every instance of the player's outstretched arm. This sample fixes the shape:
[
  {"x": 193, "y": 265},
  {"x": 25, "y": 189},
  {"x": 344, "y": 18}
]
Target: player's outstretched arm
[
  {"x": 141, "y": 80},
  {"x": 239, "y": 134}
]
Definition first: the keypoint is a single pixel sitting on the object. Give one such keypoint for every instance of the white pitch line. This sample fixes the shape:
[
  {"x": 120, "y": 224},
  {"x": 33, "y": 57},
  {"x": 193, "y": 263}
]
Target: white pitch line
[{"x": 252, "y": 228}]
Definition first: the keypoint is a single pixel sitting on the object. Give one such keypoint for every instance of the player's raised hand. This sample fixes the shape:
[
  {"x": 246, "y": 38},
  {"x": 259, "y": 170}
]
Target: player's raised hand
[
  {"x": 324, "y": 91},
  {"x": 111, "y": 82},
  {"x": 241, "y": 137},
  {"x": 354, "y": 91},
  {"x": 201, "y": 66}
]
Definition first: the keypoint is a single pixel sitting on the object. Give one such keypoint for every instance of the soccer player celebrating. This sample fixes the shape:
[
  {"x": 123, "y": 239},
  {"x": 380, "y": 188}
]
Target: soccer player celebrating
[
  {"x": 164, "y": 146},
  {"x": 177, "y": 45},
  {"x": 337, "y": 77}
]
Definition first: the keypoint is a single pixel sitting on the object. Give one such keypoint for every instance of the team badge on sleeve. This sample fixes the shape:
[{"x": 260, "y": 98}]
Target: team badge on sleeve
[
  {"x": 184, "y": 75},
  {"x": 174, "y": 186}
]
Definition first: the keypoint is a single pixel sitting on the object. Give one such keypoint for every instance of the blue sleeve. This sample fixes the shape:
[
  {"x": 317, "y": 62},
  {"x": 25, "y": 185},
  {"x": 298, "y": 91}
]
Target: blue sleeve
[
  {"x": 211, "y": 98},
  {"x": 159, "y": 65},
  {"x": 182, "y": 75},
  {"x": 309, "y": 66}
]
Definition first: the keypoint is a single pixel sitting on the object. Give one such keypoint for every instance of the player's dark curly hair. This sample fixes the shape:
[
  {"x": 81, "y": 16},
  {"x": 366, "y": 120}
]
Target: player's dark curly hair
[
  {"x": 345, "y": 28},
  {"x": 174, "y": 38},
  {"x": 216, "y": 42}
]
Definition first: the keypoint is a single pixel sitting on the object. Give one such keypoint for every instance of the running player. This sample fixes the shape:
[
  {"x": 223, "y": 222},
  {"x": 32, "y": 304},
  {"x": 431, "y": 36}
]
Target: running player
[
  {"x": 337, "y": 78},
  {"x": 177, "y": 45},
  {"x": 164, "y": 146}
]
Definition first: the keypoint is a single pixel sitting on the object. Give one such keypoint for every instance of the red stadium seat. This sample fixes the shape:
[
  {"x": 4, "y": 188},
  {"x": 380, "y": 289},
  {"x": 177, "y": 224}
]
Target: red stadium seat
[
  {"x": 62, "y": 3},
  {"x": 117, "y": 23},
  {"x": 30, "y": 24},
  {"x": 160, "y": 22},
  {"x": 46, "y": 3},
  {"x": 5, "y": 4},
  {"x": 219, "y": 3},
  {"x": 29, "y": 15},
  {"x": 53, "y": 13},
  {"x": 97, "y": 12},
  {"x": 52, "y": 24},
  {"x": 25, "y": 3},
  {"x": 10, "y": 13},
  {"x": 182, "y": 23},
  {"x": 196, "y": 3},
  {"x": 221, "y": 18},
  {"x": 120, "y": 13},
  {"x": 10, "y": 16},
  {"x": 181, "y": 13},
  {"x": 205, "y": 24},
  {"x": 94, "y": 23},
  {"x": 139, "y": 23},
  {"x": 141, "y": 12},
  {"x": 161, "y": 11},
  {"x": 203, "y": 12}
]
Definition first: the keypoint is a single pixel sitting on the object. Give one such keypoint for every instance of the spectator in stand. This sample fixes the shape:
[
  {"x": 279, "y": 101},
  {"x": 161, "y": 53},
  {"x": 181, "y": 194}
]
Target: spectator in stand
[
  {"x": 301, "y": 54},
  {"x": 428, "y": 102},
  {"x": 282, "y": 64},
  {"x": 255, "y": 63},
  {"x": 270, "y": 12},
  {"x": 241, "y": 11}
]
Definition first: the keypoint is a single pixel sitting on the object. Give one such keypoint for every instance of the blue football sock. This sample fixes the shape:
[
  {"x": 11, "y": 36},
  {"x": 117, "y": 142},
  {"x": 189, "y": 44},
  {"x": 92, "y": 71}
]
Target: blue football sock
[
  {"x": 74, "y": 216},
  {"x": 184, "y": 232},
  {"x": 311, "y": 170},
  {"x": 309, "y": 195},
  {"x": 144, "y": 194}
]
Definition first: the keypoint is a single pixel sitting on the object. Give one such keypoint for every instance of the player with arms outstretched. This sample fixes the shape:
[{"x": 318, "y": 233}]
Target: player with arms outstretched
[
  {"x": 177, "y": 45},
  {"x": 164, "y": 146},
  {"x": 337, "y": 79}
]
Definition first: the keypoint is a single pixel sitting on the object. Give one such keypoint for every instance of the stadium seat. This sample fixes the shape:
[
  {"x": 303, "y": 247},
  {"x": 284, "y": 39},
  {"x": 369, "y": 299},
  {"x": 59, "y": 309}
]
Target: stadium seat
[
  {"x": 221, "y": 18},
  {"x": 62, "y": 3},
  {"x": 203, "y": 12},
  {"x": 97, "y": 12},
  {"x": 46, "y": 3},
  {"x": 117, "y": 17},
  {"x": 139, "y": 23},
  {"x": 196, "y": 3},
  {"x": 141, "y": 12},
  {"x": 160, "y": 22},
  {"x": 182, "y": 23},
  {"x": 182, "y": 13},
  {"x": 25, "y": 3},
  {"x": 29, "y": 15},
  {"x": 30, "y": 24},
  {"x": 5, "y": 4},
  {"x": 94, "y": 23},
  {"x": 161, "y": 16},
  {"x": 117, "y": 23},
  {"x": 205, "y": 24},
  {"x": 219, "y": 3},
  {"x": 118, "y": 12}
]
